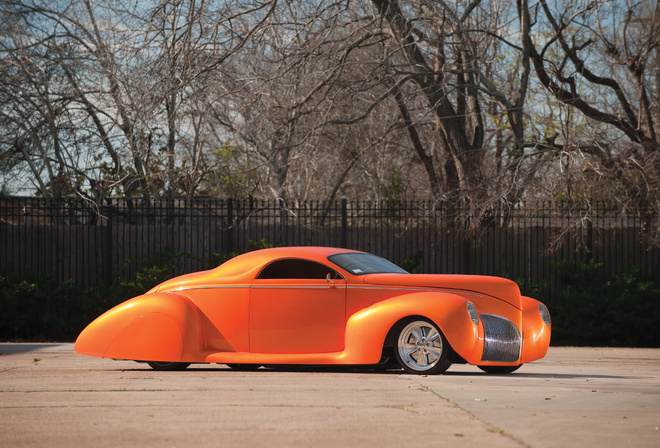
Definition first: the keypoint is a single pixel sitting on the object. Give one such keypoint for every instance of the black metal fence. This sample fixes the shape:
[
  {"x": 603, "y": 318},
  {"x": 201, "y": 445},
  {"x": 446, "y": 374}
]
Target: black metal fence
[{"x": 90, "y": 243}]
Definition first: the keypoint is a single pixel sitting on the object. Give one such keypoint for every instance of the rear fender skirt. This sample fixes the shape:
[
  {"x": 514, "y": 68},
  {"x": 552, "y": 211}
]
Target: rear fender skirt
[{"x": 152, "y": 327}]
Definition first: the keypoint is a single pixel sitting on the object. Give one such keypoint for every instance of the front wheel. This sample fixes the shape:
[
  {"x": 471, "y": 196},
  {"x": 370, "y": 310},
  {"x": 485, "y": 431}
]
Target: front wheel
[
  {"x": 500, "y": 370},
  {"x": 169, "y": 366},
  {"x": 422, "y": 349}
]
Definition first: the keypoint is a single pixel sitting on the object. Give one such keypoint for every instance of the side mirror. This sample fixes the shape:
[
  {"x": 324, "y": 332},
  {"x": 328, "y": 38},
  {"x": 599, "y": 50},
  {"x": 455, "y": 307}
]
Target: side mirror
[{"x": 329, "y": 280}]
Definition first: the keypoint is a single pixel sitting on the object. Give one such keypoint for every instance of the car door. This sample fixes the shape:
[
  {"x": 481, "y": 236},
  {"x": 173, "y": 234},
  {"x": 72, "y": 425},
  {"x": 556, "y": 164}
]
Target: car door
[{"x": 297, "y": 306}]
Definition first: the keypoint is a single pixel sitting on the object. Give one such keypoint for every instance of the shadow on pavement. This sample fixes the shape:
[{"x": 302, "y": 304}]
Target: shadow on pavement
[
  {"x": 371, "y": 371},
  {"x": 8, "y": 349}
]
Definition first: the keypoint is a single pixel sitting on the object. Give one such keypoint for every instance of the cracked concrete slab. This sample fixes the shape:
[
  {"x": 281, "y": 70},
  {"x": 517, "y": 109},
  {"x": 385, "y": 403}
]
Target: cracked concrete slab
[{"x": 50, "y": 396}]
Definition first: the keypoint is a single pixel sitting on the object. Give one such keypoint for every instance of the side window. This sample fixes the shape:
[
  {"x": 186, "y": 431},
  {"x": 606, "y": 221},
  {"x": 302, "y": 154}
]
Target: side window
[{"x": 294, "y": 268}]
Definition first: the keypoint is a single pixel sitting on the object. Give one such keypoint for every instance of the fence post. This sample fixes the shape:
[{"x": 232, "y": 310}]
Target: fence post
[
  {"x": 590, "y": 239},
  {"x": 109, "y": 245},
  {"x": 230, "y": 225},
  {"x": 344, "y": 222}
]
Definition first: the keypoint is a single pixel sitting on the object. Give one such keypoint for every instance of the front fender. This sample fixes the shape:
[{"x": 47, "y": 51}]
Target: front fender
[
  {"x": 151, "y": 327},
  {"x": 367, "y": 329},
  {"x": 536, "y": 339}
]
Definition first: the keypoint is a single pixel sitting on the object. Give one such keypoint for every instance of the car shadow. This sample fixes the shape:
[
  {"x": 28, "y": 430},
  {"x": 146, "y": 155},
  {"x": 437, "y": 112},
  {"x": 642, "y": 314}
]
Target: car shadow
[
  {"x": 394, "y": 371},
  {"x": 271, "y": 368},
  {"x": 567, "y": 376},
  {"x": 12, "y": 349}
]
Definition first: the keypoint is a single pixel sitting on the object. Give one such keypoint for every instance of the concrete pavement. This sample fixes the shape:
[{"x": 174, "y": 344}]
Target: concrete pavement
[{"x": 575, "y": 397}]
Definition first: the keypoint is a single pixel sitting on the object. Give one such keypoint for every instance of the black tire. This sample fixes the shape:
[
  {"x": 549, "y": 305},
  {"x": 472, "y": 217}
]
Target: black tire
[
  {"x": 421, "y": 348},
  {"x": 387, "y": 362},
  {"x": 244, "y": 367},
  {"x": 168, "y": 366},
  {"x": 500, "y": 370}
]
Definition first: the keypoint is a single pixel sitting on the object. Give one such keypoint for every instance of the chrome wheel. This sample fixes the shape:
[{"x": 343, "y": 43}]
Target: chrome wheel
[{"x": 422, "y": 348}]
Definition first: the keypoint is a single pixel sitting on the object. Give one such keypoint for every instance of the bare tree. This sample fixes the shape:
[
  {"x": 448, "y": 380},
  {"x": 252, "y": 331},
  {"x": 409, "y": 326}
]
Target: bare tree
[
  {"x": 131, "y": 76},
  {"x": 33, "y": 107},
  {"x": 376, "y": 99},
  {"x": 289, "y": 81},
  {"x": 450, "y": 53},
  {"x": 299, "y": 104},
  {"x": 600, "y": 60}
]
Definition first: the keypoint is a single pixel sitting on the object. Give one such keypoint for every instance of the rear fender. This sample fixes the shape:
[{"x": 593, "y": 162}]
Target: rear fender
[
  {"x": 152, "y": 327},
  {"x": 367, "y": 329}
]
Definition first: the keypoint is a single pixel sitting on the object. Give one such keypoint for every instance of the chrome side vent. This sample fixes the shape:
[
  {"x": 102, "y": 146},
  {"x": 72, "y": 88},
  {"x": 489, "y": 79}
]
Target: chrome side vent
[{"x": 502, "y": 339}]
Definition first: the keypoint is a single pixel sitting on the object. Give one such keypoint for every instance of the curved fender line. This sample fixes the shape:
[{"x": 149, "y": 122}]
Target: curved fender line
[
  {"x": 147, "y": 327},
  {"x": 536, "y": 337},
  {"x": 367, "y": 329}
]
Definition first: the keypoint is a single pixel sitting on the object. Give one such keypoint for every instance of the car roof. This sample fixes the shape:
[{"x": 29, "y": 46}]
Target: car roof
[
  {"x": 248, "y": 261},
  {"x": 300, "y": 251}
]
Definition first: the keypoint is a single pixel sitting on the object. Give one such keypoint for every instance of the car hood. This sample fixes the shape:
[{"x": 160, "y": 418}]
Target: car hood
[{"x": 500, "y": 288}]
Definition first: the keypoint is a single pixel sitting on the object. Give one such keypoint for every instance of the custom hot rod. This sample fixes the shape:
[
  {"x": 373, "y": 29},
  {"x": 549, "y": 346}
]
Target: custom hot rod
[{"x": 324, "y": 306}]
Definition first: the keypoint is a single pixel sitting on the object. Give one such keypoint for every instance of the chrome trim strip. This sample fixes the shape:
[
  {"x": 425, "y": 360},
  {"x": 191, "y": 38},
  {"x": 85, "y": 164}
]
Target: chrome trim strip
[
  {"x": 324, "y": 286},
  {"x": 417, "y": 288},
  {"x": 377, "y": 288},
  {"x": 182, "y": 288},
  {"x": 298, "y": 287}
]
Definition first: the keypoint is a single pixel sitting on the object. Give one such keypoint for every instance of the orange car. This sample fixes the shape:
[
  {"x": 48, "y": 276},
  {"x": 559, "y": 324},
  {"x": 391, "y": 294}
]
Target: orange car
[{"x": 324, "y": 306}]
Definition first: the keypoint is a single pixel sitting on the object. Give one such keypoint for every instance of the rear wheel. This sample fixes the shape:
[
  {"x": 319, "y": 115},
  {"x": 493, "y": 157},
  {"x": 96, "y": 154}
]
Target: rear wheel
[
  {"x": 421, "y": 348},
  {"x": 170, "y": 366},
  {"x": 501, "y": 370}
]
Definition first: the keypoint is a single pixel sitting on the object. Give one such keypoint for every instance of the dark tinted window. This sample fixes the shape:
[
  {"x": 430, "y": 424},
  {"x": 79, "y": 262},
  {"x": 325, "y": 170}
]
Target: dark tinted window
[
  {"x": 294, "y": 268},
  {"x": 360, "y": 264}
]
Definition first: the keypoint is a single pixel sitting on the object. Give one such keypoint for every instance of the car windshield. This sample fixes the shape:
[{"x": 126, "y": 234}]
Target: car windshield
[{"x": 360, "y": 264}]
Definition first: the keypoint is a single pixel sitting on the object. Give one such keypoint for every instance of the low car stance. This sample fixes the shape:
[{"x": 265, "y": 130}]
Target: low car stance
[{"x": 324, "y": 306}]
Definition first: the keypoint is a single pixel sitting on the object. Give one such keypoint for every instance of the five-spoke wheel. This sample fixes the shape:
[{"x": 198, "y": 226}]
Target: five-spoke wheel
[{"x": 421, "y": 348}]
